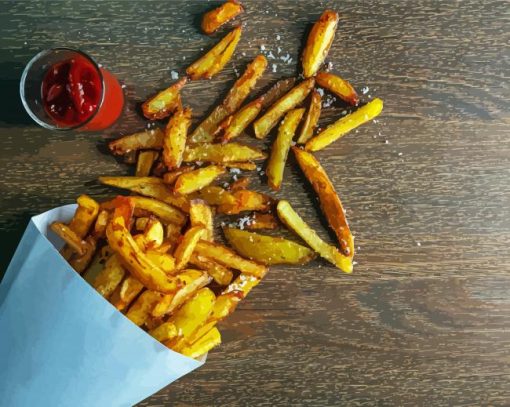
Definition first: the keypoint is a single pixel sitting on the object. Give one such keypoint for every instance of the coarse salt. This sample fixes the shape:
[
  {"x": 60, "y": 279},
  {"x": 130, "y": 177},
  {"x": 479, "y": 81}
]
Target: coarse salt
[{"x": 174, "y": 75}]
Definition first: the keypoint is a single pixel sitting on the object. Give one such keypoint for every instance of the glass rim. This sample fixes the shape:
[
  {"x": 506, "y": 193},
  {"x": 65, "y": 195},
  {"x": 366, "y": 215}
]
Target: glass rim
[{"x": 24, "y": 75}]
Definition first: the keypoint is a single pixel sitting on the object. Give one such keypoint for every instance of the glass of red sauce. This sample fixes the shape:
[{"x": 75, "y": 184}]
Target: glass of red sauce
[{"x": 65, "y": 89}]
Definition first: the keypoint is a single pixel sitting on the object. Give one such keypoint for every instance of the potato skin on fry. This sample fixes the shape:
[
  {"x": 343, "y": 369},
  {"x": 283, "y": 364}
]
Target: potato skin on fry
[
  {"x": 165, "y": 102},
  {"x": 246, "y": 200},
  {"x": 174, "y": 140},
  {"x": 344, "y": 125},
  {"x": 222, "y": 153},
  {"x": 340, "y": 87},
  {"x": 147, "y": 139},
  {"x": 214, "y": 19},
  {"x": 311, "y": 118},
  {"x": 234, "y": 125},
  {"x": 200, "y": 214},
  {"x": 318, "y": 43},
  {"x": 197, "y": 179}
]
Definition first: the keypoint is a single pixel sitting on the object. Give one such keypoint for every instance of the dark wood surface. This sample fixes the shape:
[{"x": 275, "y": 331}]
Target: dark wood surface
[{"x": 424, "y": 319}]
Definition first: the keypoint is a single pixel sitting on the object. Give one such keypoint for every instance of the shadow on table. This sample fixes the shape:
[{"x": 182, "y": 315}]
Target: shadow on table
[{"x": 12, "y": 111}]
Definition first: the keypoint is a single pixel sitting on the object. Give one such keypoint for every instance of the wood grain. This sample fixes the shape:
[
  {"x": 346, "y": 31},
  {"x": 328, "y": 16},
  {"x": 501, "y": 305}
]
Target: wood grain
[{"x": 424, "y": 319}]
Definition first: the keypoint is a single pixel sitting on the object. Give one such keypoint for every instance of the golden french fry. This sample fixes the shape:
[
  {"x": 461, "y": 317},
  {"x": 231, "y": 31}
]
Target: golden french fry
[
  {"x": 142, "y": 307},
  {"x": 298, "y": 225},
  {"x": 109, "y": 277},
  {"x": 220, "y": 274},
  {"x": 234, "y": 125},
  {"x": 170, "y": 176},
  {"x": 188, "y": 243},
  {"x": 215, "y": 195},
  {"x": 267, "y": 249},
  {"x": 340, "y": 87},
  {"x": 318, "y": 43},
  {"x": 228, "y": 258},
  {"x": 174, "y": 141},
  {"x": 240, "y": 183},
  {"x": 147, "y": 139},
  {"x": 200, "y": 214},
  {"x": 311, "y": 118},
  {"x": 330, "y": 201},
  {"x": 165, "y": 212},
  {"x": 202, "y": 345},
  {"x": 165, "y": 102},
  {"x": 164, "y": 332},
  {"x": 70, "y": 237},
  {"x": 345, "y": 124},
  {"x": 100, "y": 225},
  {"x": 80, "y": 263},
  {"x": 281, "y": 146},
  {"x": 290, "y": 100},
  {"x": 222, "y": 153},
  {"x": 145, "y": 161},
  {"x": 149, "y": 186},
  {"x": 165, "y": 246},
  {"x": 245, "y": 165},
  {"x": 214, "y": 61},
  {"x": 208, "y": 128},
  {"x": 197, "y": 179},
  {"x": 195, "y": 280},
  {"x": 214, "y": 19},
  {"x": 276, "y": 91},
  {"x": 246, "y": 200},
  {"x": 173, "y": 233},
  {"x": 262, "y": 221},
  {"x": 126, "y": 292},
  {"x": 153, "y": 234},
  {"x": 141, "y": 224},
  {"x": 164, "y": 261},
  {"x": 85, "y": 216}
]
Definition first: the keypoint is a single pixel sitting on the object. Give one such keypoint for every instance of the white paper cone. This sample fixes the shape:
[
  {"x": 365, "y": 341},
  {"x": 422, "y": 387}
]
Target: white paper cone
[{"x": 62, "y": 344}]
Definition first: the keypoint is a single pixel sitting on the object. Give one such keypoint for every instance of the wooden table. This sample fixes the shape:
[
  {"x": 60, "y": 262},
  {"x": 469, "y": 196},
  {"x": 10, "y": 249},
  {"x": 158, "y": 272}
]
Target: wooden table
[{"x": 424, "y": 319}]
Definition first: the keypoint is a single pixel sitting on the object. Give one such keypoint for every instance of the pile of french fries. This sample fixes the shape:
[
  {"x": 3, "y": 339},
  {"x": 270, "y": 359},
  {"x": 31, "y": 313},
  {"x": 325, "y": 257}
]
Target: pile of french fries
[{"x": 154, "y": 255}]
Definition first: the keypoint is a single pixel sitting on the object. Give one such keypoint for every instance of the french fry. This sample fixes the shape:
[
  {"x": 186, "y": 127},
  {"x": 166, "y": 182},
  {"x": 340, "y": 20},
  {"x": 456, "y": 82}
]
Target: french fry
[
  {"x": 289, "y": 101},
  {"x": 222, "y": 153},
  {"x": 234, "y": 125},
  {"x": 195, "y": 280},
  {"x": 345, "y": 124},
  {"x": 267, "y": 249},
  {"x": 262, "y": 221},
  {"x": 281, "y": 146},
  {"x": 197, "y": 179},
  {"x": 165, "y": 247},
  {"x": 202, "y": 345},
  {"x": 228, "y": 258},
  {"x": 142, "y": 307},
  {"x": 215, "y": 195},
  {"x": 130, "y": 157},
  {"x": 340, "y": 87},
  {"x": 220, "y": 274},
  {"x": 164, "y": 332},
  {"x": 245, "y": 165},
  {"x": 200, "y": 214},
  {"x": 214, "y": 19},
  {"x": 80, "y": 263},
  {"x": 70, "y": 237},
  {"x": 330, "y": 201},
  {"x": 276, "y": 91},
  {"x": 170, "y": 176},
  {"x": 147, "y": 139},
  {"x": 135, "y": 261},
  {"x": 145, "y": 161},
  {"x": 174, "y": 141},
  {"x": 164, "y": 261},
  {"x": 208, "y": 128},
  {"x": 100, "y": 225},
  {"x": 240, "y": 183},
  {"x": 109, "y": 277},
  {"x": 288, "y": 216},
  {"x": 319, "y": 42},
  {"x": 153, "y": 234},
  {"x": 246, "y": 200},
  {"x": 185, "y": 248},
  {"x": 164, "y": 212},
  {"x": 149, "y": 186},
  {"x": 165, "y": 102},
  {"x": 311, "y": 118},
  {"x": 173, "y": 233},
  {"x": 126, "y": 292},
  {"x": 214, "y": 60},
  {"x": 85, "y": 215}
]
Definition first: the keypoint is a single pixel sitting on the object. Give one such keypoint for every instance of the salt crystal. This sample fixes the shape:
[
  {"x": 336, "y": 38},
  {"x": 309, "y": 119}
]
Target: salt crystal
[
  {"x": 320, "y": 91},
  {"x": 354, "y": 263},
  {"x": 386, "y": 142},
  {"x": 226, "y": 185},
  {"x": 25, "y": 43},
  {"x": 418, "y": 244},
  {"x": 365, "y": 90},
  {"x": 279, "y": 49},
  {"x": 123, "y": 86},
  {"x": 274, "y": 66},
  {"x": 244, "y": 54},
  {"x": 399, "y": 154},
  {"x": 329, "y": 66},
  {"x": 235, "y": 171},
  {"x": 278, "y": 38},
  {"x": 174, "y": 75},
  {"x": 235, "y": 177},
  {"x": 262, "y": 47},
  {"x": 270, "y": 55}
]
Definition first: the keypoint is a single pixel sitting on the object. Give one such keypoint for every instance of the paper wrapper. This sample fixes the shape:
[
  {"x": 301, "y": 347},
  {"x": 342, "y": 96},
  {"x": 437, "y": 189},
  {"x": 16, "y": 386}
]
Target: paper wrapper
[{"x": 62, "y": 344}]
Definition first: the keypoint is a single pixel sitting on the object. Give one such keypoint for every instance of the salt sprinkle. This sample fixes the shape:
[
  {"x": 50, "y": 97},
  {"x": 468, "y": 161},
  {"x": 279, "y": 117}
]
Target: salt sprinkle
[
  {"x": 399, "y": 154},
  {"x": 123, "y": 86},
  {"x": 25, "y": 43},
  {"x": 329, "y": 66},
  {"x": 235, "y": 171},
  {"x": 278, "y": 38},
  {"x": 262, "y": 47},
  {"x": 386, "y": 142},
  {"x": 418, "y": 244},
  {"x": 270, "y": 55},
  {"x": 235, "y": 178},
  {"x": 279, "y": 49},
  {"x": 244, "y": 54},
  {"x": 354, "y": 263},
  {"x": 226, "y": 185},
  {"x": 320, "y": 91},
  {"x": 365, "y": 90},
  {"x": 174, "y": 75},
  {"x": 274, "y": 66}
]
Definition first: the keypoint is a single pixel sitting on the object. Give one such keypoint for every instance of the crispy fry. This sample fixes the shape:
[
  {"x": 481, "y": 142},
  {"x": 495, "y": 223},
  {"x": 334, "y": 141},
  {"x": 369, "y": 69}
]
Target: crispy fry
[
  {"x": 208, "y": 128},
  {"x": 170, "y": 177},
  {"x": 245, "y": 165},
  {"x": 195, "y": 280},
  {"x": 147, "y": 139},
  {"x": 173, "y": 233},
  {"x": 164, "y": 212},
  {"x": 330, "y": 201},
  {"x": 240, "y": 183},
  {"x": 214, "y": 61},
  {"x": 149, "y": 186},
  {"x": 85, "y": 216},
  {"x": 141, "y": 224},
  {"x": 200, "y": 214},
  {"x": 222, "y": 153},
  {"x": 145, "y": 161},
  {"x": 195, "y": 180},
  {"x": 175, "y": 138},
  {"x": 267, "y": 249},
  {"x": 165, "y": 102},
  {"x": 228, "y": 258},
  {"x": 164, "y": 261},
  {"x": 215, "y": 195},
  {"x": 345, "y": 124},
  {"x": 142, "y": 307},
  {"x": 164, "y": 332},
  {"x": 80, "y": 263},
  {"x": 165, "y": 247},
  {"x": 126, "y": 292},
  {"x": 246, "y": 200},
  {"x": 100, "y": 225},
  {"x": 153, "y": 233},
  {"x": 185, "y": 248},
  {"x": 109, "y": 277},
  {"x": 340, "y": 87},
  {"x": 318, "y": 43},
  {"x": 220, "y": 274},
  {"x": 202, "y": 345},
  {"x": 276, "y": 91},
  {"x": 262, "y": 221},
  {"x": 71, "y": 238},
  {"x": 280, "y": 150},
  {"x": 234, "y": 125},
  {"x": 214, "y": 19},
  {"x": 130, "y": 157},
  {"x": 290, "y": 100},
  {"x": 295, "y": 223},
  {"x": 311, "y": 118}
]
